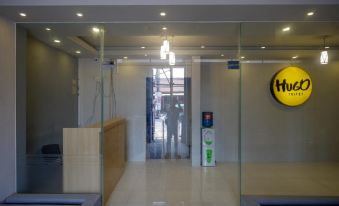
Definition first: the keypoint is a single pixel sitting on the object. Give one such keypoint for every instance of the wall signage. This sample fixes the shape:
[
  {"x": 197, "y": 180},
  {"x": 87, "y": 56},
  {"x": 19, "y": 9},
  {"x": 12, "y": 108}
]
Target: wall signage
[
  {"x": 233, "y": 64},
  {"x": 291, "y": 86}
]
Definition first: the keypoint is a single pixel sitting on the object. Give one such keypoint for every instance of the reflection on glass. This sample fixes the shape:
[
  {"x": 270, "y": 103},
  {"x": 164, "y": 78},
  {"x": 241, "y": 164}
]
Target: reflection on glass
[
  {"x": 49, "y": 156},
  {"x": 289, "y": 151},
  {"x": 157, "y": 101}
]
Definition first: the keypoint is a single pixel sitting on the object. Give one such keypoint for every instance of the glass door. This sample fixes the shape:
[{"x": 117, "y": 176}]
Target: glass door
[{"x": 168, "y": 135}]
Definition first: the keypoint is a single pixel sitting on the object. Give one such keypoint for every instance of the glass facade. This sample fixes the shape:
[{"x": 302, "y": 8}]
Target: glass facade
[{"x": 270, "y": 86}]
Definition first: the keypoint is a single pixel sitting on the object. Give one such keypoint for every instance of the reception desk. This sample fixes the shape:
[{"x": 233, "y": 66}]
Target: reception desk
[{"x": 82, "y": 160}]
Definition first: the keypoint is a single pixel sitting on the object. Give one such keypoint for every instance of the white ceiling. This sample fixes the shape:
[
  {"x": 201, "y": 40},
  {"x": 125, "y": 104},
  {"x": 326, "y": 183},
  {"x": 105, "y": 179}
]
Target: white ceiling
[
  {"x": 305, "y": 39},
  {"x": 142, "y": 13},
  {"x": 164, "y": 2}
]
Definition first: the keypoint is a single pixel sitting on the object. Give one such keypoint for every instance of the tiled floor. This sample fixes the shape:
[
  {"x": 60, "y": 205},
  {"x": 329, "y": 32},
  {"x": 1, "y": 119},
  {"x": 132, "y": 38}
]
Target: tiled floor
[
  {"x": 176, "y": 182},
  {"x": 295, "y": 179}
]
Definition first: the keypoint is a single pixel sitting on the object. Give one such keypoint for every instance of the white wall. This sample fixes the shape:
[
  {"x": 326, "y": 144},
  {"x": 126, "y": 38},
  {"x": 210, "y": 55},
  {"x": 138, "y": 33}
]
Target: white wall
[
  {"x": 130, "y": 92},
  {"x": 131, "y": 104},
  {"x": 88, "y": 108},
  {"x": 7, "y": 108},
  {"x": 220, "y": 95}
]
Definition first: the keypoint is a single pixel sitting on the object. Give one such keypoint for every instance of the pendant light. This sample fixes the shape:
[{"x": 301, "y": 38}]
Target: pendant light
[
  {"x": 171, "y": 58},
  {"x": 324, "y": 55},
  {"x": 166, "y": 46},
  {"x": 163, "y": 54}
]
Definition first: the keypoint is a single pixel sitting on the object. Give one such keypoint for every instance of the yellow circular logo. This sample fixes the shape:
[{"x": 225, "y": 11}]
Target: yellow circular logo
[{"x": 291, "y": 86}]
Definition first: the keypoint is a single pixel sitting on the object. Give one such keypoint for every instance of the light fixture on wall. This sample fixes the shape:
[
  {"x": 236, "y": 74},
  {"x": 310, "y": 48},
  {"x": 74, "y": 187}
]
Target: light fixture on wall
[
  {"x": 324, "y": 54},
  {"x": 171, "y": 58}
]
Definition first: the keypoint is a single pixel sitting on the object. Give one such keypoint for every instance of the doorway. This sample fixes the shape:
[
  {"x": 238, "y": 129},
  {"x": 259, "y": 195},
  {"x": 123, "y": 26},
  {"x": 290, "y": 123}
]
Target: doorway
[{"x": 168, "y": 106}]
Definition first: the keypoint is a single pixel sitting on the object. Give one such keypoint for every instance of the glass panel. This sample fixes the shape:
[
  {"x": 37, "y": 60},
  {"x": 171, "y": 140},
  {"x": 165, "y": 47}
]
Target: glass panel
[
  {"x": 158, "y": 102},
  {"x": 126, "y": 100},
  {"x": 289, "y": 143},
  {"x": 220, "y": 85},
  {"x": 58, "y": 132}
]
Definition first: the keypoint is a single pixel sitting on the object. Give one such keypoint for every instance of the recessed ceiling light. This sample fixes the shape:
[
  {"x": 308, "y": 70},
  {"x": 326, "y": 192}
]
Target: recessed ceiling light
[
  {"x": 295, "y": 57},
  {"x": 263, "y": 47},
  {"x": 22, "y": 14},
  {"x": 57, "y": 41},
  {"x": 311, "y": 13},
  {"x": 202, "y": 46},
  {"x": 242, "y": 57},
  {"x": 286, "y": 29},
  {"x": 162, "y": 14},
  {"x": 222, "y": 55},
  {"x": 327, "y": 47},
  {"x": 143, "y": 47},
  {"x": 78, "y": 52},
  {"x": 164, "y": 28},
  {"x": 125, "y": 57},
  {"x": 48, "y": 29},
  {"x": 146, "y": 55},
  {"x": 95, "y": 29},
  {"x": 80, "y": 15}
]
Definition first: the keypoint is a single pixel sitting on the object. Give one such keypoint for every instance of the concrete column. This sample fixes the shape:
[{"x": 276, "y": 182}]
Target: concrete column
[{"x": 7, "y": 108}]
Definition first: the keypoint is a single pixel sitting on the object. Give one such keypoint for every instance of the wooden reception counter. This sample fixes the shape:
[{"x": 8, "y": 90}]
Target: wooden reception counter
[{"x": 82, "y": 162}]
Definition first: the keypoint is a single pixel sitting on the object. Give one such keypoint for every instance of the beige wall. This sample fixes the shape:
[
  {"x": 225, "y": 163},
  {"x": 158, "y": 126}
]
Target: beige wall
[
  {"x": 7, "y": 108},
  {"x": 271, "y": 132}
]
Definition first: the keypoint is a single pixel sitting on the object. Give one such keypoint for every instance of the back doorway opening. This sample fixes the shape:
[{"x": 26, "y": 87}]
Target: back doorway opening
[{"x": 168, "y": 107}]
